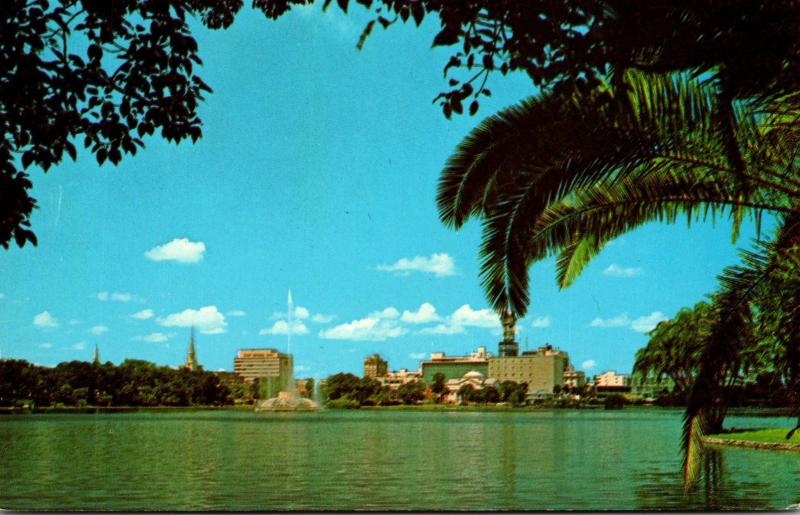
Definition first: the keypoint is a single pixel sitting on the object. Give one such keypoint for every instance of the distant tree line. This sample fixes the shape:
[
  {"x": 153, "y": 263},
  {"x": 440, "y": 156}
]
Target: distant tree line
[
  {"x": 132, "y": 383},
  {"x": 345, "y": 390},
  {"x": 509, "y": 392},
  {"x": 676, "y": 351}
]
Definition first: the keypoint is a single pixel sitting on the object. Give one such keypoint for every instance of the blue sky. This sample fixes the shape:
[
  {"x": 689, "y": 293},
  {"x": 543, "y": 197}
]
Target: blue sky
[{"x": 317, "y": 172}]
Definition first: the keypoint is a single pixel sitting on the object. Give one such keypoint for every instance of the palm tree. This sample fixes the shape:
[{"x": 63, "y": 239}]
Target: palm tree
[
  {"x": 762, "y": 291},
  {"x": 563, "y": 174},
  {"x": 675, "y": 346}
]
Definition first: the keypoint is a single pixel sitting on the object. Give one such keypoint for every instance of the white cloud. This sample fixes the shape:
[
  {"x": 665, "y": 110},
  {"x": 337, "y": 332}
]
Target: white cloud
[
  {"x": 366, "y": 329},
  {"x": 424, "y": 314},
  {"x": 417, "y": 355},
  {"x": 466, "y": 316},
  {"x": 181, "y": 250},
  {"x": 641, "y": 324},
  {"x": 442, "y": 329},
  {"x": 541, "y": 322},
  {"x": 299, "y": 313},
  {"x": 45, "y": 319},
  {"x": 74, "y": 321},
  {"x": 152, "y": 338},
  {"x": 440, "y": 265},
  {"x": 320, "y": 318},
  {"x": 463, "y": 317},
  {"x": 646, "y": 323},
  {"x": 98, "y": 329},
  {"x": 78, "y": 346},
  {"x": 617, "y": 321},
  {"x": 208, "y": 320},
  {"x": 118, "y": 297},
  {"x": 389, "y": 313},
  {"x": 589, "y": 364},
  {"x": 144, "y": 314},
  {"x": 282, "y": 327},
  {"x": 45, "y": 345},
  {"x": 615, "y": 270},
  {"x": 236, "y": 313}
]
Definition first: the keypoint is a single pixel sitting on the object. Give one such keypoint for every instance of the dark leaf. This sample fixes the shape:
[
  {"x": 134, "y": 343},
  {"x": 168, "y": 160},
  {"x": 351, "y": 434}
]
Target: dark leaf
[
  {"x": 418, "y": 12},
  {"x": 446, "y": 37},
  {"x": 27, "y": 159}
]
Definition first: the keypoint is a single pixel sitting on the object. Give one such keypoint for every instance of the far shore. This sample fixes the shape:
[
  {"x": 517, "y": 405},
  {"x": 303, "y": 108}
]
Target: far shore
[
  {"x": 116, "y": 409},
  {"x": 740, "y": 411}
]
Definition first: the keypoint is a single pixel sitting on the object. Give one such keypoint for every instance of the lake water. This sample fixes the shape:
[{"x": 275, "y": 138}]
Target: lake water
[{"x": 379, "y": 460}]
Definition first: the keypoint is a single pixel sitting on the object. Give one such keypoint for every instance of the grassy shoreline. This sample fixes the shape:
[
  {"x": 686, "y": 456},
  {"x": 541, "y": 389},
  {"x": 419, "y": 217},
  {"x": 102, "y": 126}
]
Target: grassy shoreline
[{"x": 757, "y": 438}]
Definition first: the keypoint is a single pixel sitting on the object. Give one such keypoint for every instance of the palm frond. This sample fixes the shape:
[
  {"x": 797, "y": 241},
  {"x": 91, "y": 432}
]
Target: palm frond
[
  {"x": 693, "y": 432},
  {"x": 721, "y": 358},
  {"x": 609, "y": 209}
]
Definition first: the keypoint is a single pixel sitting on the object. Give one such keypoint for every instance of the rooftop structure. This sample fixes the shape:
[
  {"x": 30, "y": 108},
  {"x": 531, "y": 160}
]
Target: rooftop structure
[{"x": 509, "y": 345}]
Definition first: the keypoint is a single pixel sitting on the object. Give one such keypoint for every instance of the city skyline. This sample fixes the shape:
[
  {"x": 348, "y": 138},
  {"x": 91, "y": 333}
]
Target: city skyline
[{"x": 317, "y": 172}]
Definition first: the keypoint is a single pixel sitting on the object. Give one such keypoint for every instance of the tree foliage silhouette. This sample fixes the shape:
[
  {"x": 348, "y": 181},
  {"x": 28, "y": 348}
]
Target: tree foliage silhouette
[{"x": 106, "y": 73}]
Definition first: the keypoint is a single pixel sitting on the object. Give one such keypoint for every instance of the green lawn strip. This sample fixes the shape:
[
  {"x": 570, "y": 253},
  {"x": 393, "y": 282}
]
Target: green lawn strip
[
  {"x": 761, "y": 435},
  {"x": 763, "y": 438}
]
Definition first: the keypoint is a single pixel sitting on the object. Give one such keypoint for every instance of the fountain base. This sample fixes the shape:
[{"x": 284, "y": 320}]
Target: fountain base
[{"x": 286, "y": 401}]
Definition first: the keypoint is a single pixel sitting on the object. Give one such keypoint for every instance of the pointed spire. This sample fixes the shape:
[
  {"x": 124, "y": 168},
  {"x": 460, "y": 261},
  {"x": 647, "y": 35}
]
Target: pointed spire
[
  {"x": 191, "y": 355},
  {"x": 96, "y": 360}
]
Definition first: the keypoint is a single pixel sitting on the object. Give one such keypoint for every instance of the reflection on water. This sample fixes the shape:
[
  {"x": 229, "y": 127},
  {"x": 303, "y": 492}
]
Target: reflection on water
[{"x": 344, "y": 460}]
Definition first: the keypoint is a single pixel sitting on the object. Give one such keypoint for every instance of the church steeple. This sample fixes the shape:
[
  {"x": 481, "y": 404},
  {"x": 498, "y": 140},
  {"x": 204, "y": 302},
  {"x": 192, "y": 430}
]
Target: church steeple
[
  {"x": 96, "y": 360},
  {"x": 191, "y": 355}
]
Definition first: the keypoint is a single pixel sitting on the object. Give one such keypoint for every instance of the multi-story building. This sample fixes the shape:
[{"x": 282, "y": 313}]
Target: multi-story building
[
  {"x": 574, "y": 378},
  {"x": 611, "y": 382},
  {"x": 472, "y": 379},
  {"x": 454, "y": 367},
  {"x": 541, "y": 369},
  {"x": 375, "y": 366},
  {"x": 273, "y": 369},
  {"x": 396, "y": 379}
]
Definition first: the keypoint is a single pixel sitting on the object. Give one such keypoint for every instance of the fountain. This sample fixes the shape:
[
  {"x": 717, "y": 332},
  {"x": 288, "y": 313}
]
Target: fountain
[{"x": 288, "y": 399}]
